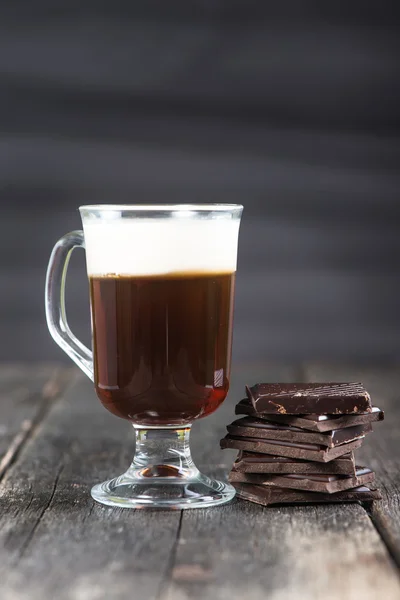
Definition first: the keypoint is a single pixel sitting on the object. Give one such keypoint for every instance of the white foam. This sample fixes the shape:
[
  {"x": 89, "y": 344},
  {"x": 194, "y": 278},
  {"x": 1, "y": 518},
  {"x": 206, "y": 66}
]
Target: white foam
[{"x": 160, "y": 246}]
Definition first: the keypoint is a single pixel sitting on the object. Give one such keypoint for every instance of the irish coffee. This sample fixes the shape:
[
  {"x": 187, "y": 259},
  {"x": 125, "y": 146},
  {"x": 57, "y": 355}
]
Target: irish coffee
[
  {"x": 162, "y": 344},
  {"x": 162, "y": 281}
]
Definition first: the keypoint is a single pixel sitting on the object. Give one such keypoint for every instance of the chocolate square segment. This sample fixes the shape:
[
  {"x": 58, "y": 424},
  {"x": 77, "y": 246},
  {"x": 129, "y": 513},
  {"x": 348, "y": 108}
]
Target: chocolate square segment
[
  {"x": 266, "y": 496},
  {"x": 320, "y": 482},
  {"x": 316, "y": 423},
  {"x": 302, "y": 451},
  {"x": 252, "y": 462},
  {"x": 309, "y": 398},
  {"x": 263, "y": 429}
]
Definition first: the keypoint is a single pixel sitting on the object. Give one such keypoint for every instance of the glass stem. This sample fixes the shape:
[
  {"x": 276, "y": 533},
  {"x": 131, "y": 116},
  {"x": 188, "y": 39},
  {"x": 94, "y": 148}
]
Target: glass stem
[{"x": 162, "y": 452}]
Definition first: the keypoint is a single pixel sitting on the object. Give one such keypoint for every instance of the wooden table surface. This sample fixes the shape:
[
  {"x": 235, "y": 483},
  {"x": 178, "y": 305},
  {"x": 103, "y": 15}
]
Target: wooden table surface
[{"x": 56, "y": 441}]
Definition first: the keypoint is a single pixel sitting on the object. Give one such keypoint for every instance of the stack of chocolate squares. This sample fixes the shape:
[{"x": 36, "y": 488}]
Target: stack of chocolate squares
[{"x": 297, "y": 443}]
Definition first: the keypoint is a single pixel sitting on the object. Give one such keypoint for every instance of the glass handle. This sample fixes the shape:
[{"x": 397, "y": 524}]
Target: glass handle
[{"x": 55, "y": 302}]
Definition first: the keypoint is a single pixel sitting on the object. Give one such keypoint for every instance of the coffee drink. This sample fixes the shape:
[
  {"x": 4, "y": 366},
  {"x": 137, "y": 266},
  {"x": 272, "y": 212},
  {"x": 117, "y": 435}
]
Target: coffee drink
[
  {"x": 162, "y": 344},
  {"x": 161, "y": 281},
  {"x": 162, "y": 318}
]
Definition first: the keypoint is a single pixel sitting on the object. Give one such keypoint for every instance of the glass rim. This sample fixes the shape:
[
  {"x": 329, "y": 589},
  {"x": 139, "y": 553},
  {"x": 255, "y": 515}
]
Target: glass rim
[{"x": 161, "y": 207}]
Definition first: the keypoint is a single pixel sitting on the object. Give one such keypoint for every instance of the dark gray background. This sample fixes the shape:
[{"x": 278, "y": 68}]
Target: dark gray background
[{"x": 291, "y": 110}]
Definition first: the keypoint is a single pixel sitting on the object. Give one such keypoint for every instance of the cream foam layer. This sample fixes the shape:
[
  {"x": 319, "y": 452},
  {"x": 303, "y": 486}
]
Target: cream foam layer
[{"x": 159, "y": 246}]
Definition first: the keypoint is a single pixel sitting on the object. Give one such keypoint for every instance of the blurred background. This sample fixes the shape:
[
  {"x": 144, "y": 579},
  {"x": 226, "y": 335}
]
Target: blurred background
[{"x": 289, "y": 108}]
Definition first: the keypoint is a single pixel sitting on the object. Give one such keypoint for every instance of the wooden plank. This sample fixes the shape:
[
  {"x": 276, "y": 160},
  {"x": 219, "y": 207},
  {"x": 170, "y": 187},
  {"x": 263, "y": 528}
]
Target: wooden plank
[
  {"x": 249, "y": 552},
  {"x": 26, "y": 394},
  {"x": 245, "y": 551},
  {"x": 381, "y": 450},
  {"x": 56, "y": 542},
  {"x": 50, "y": 527}
]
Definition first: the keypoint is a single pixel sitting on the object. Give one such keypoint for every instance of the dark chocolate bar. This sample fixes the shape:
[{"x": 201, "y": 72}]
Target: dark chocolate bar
[
  {"x": 317, "y": 423},
  {"x": 262, "y": 429},
  {"x": 329, "y": 484},
  {"x": 266, "y": 496},
  {"x": 309, "y": 398},
  {"x": 299, "y": 450},
  {"x": 252, "y": 462}
]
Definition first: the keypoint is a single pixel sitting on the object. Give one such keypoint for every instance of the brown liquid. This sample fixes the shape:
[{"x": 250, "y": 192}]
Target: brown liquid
[{"x": 162, "y": 345}]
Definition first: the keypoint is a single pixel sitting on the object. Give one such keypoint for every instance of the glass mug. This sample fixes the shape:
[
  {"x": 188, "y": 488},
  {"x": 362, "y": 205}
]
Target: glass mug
[{"x": 162, "y": 281}]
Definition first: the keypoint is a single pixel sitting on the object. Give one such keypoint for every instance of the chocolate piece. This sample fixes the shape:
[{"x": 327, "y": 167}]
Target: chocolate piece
[
  {"x": 262, "y": 429},
  {"x": 319, "y": 423},
  {"x": 290, "y": 449},
  {"x": 309, "y": 398},
  {"x": 266, "y": 496},
  {"x": 329, "y": 484},
  {"x": 251, "y": 462}
]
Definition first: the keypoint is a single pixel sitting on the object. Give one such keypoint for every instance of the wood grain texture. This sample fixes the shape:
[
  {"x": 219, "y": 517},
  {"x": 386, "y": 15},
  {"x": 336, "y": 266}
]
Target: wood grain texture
[
  {"x": 245, "y": 551},
  {"x": 26, "y": 394},
  {"x": 381, "y": 450},
  {"x": 314, "y": 552},
  {"x": 55, "y": 542}
]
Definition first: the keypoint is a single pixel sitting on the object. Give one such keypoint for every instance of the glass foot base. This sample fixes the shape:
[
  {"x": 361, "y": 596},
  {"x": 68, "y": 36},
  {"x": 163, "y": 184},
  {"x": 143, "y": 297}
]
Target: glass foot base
[{"x": 163, "y": 492}]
